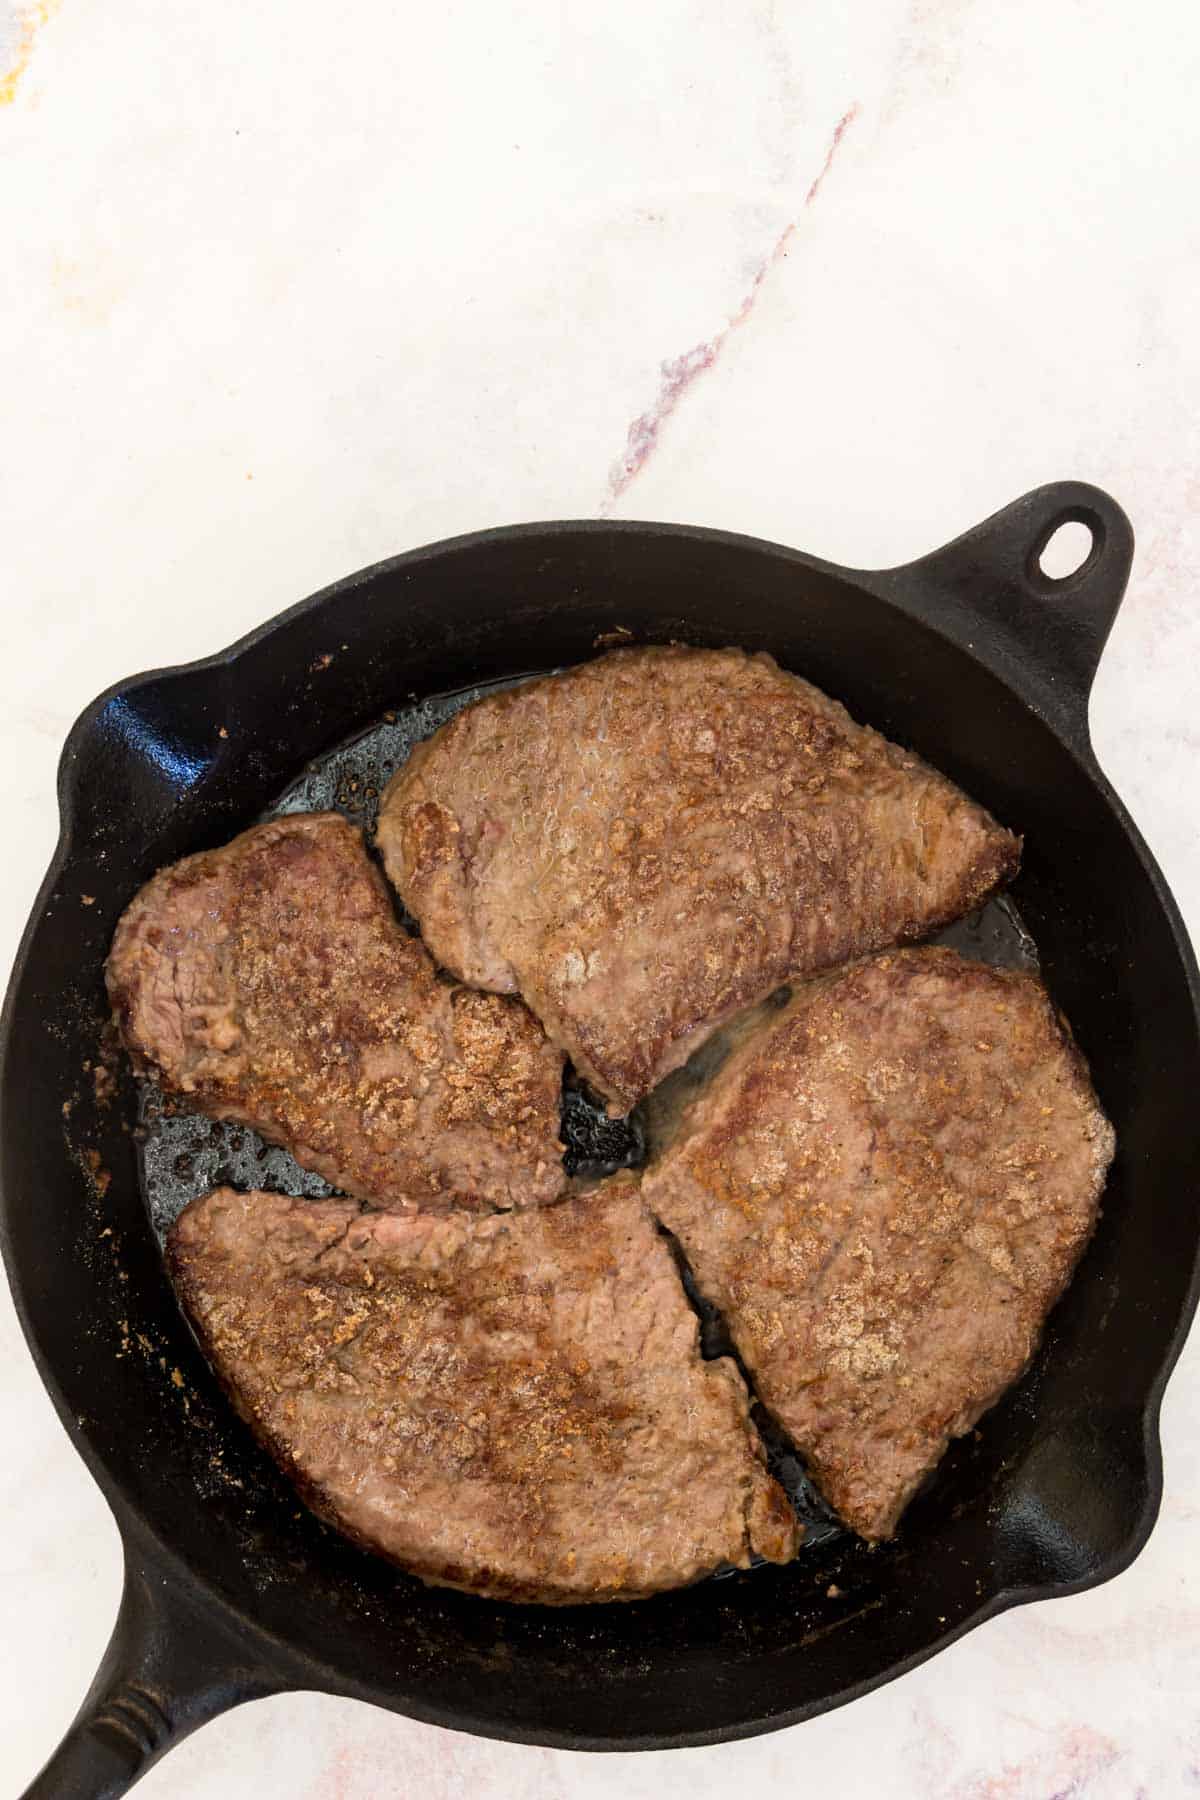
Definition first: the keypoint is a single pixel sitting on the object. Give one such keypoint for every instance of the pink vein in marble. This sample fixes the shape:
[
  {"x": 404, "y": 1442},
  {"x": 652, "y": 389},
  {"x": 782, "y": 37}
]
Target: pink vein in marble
[
  {"x": 1065, "y": 1769},
  {"x": 679, "y": 372},
  {"x": 839, "y": 131}
]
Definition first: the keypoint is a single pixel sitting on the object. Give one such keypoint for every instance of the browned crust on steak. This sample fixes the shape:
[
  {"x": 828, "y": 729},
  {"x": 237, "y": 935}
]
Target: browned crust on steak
[
  {"x": 268, "y": 982},
  {"x": 514, "y": 1405},
  {"x": 650, "y": 842},
  {"x": 885, "y": 1192}
]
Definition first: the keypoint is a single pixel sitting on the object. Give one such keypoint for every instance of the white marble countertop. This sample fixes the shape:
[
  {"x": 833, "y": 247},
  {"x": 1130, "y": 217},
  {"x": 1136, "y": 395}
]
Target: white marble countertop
[{"x": 289, "y": 288}]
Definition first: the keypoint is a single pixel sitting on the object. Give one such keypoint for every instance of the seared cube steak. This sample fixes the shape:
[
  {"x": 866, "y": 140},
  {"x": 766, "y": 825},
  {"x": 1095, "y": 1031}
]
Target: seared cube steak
[
  {"x": 885, "y": 1191},
  {"x": 269, "y": 982},
  {"x": 648, "y": 843},
  {"x": 513, "y": 1404}
]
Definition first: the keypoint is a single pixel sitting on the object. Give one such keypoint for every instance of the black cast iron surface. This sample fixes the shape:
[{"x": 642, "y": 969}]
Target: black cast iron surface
[{"x": 974, "y": 658}]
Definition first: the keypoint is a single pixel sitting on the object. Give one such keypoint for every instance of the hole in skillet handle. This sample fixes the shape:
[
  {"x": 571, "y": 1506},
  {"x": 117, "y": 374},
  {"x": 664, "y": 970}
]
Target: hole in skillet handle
[{"x": 1061, "y": 559}]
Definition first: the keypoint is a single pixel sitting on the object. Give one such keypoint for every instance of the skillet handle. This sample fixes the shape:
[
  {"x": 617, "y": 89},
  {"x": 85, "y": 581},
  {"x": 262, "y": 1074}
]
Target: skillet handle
[
  {"x": 170, "y": 1666},
  {"x": 1043, "y": 635}
]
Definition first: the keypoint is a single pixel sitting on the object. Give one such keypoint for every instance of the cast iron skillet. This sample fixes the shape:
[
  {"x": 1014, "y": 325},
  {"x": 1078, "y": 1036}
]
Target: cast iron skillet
[{"x": 974, "y": 657}]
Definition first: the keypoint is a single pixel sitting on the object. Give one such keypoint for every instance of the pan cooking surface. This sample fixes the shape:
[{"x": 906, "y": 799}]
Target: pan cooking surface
[{"x": 183, "y": 1155}]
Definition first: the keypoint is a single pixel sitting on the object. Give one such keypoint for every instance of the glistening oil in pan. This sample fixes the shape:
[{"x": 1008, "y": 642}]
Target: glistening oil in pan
[{"x": 184, "y": 1155}]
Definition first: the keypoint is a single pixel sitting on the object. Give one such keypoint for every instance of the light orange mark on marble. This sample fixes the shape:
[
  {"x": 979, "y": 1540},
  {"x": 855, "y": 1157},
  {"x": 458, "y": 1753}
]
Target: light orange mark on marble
[{"x": 28, "y": 21}]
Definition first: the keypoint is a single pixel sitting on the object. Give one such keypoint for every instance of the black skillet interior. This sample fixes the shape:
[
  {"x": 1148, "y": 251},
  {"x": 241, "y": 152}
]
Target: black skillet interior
[{"x": 972, "y": 657}]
